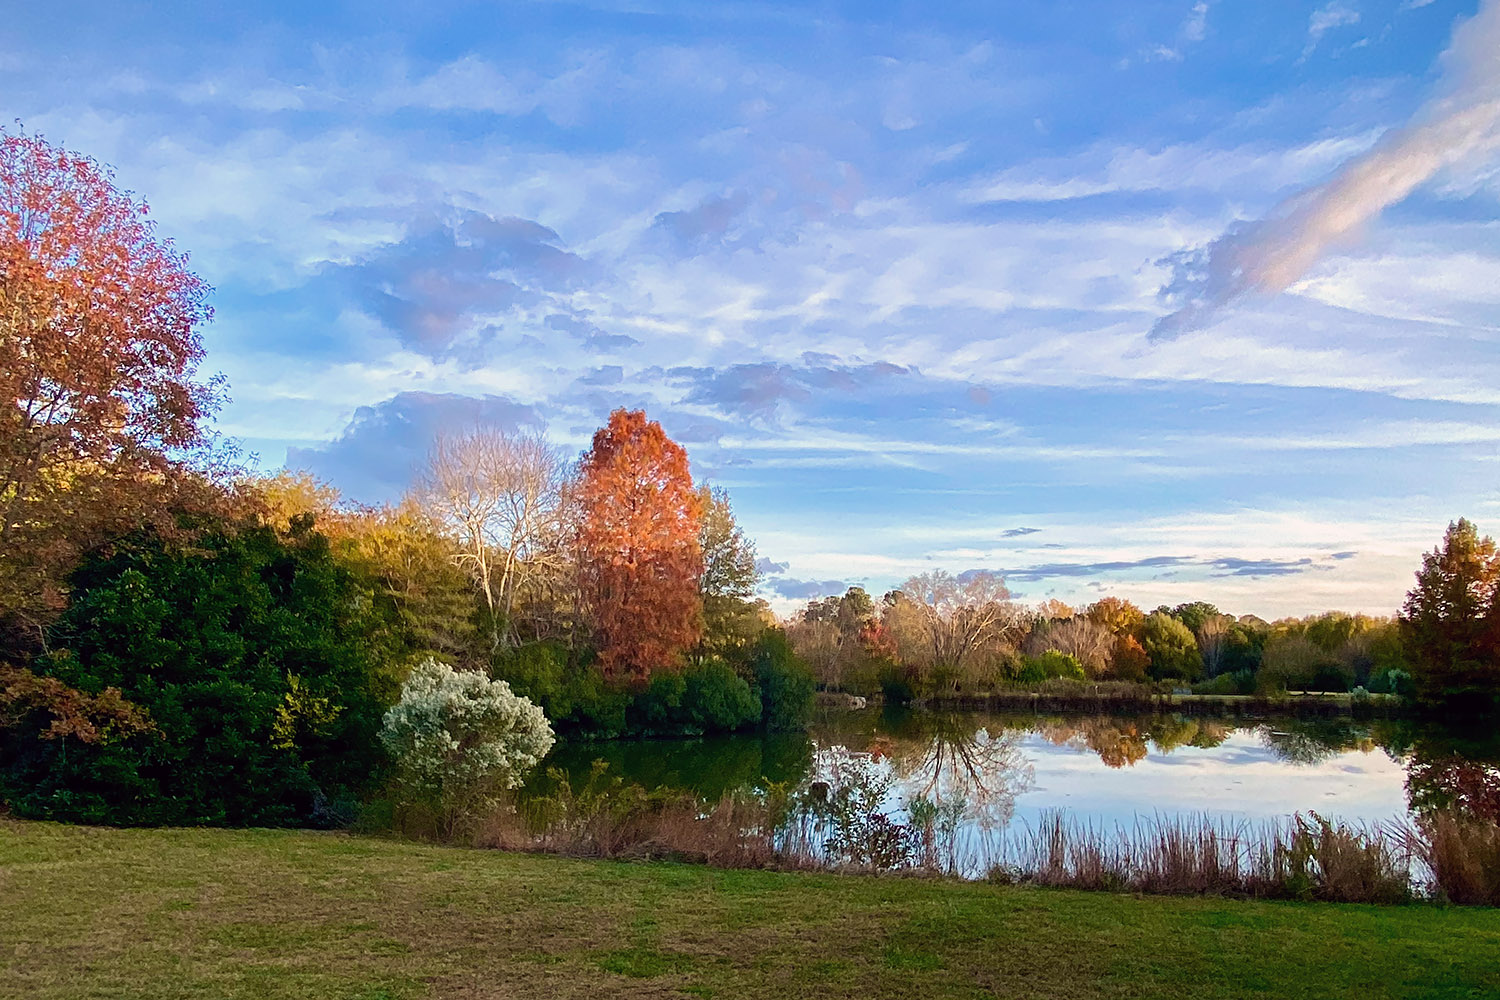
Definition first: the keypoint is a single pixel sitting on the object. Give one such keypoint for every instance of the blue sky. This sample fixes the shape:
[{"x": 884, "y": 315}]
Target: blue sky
[{"x": 889, "y": 271}]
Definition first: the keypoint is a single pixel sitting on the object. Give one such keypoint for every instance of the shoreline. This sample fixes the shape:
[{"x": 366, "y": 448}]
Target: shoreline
[{"x": 1315, "y": 705}]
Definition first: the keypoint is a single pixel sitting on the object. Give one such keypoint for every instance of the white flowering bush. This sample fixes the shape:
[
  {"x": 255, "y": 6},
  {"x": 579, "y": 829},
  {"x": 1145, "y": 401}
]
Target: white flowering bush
[{"x": 457, "y": 738}]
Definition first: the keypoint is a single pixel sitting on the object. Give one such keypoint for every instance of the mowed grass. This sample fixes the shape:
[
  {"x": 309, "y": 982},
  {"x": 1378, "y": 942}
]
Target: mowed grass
[{"x": 256, "y": 913}]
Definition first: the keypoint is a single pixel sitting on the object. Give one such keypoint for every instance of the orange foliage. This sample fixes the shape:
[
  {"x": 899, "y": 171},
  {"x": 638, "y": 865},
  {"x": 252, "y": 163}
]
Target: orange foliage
[
  {"x": 639, "y": 554},
  {"x": 1119, "y": 616},
  {"x": 91, "y": 718},
  {"x": 1130, "y": 661}
]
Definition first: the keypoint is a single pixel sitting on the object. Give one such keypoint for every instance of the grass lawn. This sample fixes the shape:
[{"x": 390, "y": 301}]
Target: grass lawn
[{"x": 218, "y": 913}]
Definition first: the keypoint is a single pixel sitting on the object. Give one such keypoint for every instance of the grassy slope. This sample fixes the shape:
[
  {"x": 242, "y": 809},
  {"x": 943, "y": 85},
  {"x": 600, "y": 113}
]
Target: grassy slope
[{"x": 213, "y": 913}]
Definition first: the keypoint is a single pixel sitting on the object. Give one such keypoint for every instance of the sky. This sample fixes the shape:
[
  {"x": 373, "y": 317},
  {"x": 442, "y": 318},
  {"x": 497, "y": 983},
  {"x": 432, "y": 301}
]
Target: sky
[{"x": 1173, "y": 301}]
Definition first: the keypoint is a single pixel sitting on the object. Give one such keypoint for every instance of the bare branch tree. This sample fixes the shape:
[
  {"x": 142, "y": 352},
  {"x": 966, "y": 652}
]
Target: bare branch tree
[
  {"x": 505, "y": 497},
  {"x": 1086, "y": 640},
  {"x": 1213, "y": 642},
  {"x": 961, "y": 615}
]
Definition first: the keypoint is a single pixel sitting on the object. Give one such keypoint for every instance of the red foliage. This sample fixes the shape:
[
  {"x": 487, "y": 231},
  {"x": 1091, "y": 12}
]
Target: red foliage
[
  {"x": 639, "y": 555},
  {"x": 99, "y": 345},
  {"x": 877, "y": 641}
]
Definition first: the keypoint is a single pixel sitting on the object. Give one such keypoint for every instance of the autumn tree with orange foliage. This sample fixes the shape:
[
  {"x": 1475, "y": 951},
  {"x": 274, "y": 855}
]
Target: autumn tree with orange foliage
[
  {"x": 640, "y": 560},
  {"x": 99, "y": 347}
]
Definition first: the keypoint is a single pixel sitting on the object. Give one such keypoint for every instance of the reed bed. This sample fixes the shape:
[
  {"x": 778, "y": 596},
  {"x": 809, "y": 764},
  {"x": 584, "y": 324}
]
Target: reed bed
[
  {"x": 1444, "y": 857},
  {"x": 1302, "y": 857}
]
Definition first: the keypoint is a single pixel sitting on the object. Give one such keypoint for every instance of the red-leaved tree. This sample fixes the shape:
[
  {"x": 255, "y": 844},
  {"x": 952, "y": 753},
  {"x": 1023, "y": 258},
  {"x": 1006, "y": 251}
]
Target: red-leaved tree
[
  {"x": 638, "y": 548},
  {"x": 99, "y": 347}
]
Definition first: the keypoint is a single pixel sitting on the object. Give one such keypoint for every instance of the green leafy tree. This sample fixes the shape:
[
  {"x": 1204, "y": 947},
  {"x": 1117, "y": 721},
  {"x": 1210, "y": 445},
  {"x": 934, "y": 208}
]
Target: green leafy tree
[
  {"x": 1171, "y": 647},
  {"x": 785, "y": 682},
  {"x": 731, "y": 617},
  {"x": 855, "y": 610},
  {"x": 1193, "y": 614},
  {"x": 1449, "y": 621},
  {"x": 419, "y": 590}
]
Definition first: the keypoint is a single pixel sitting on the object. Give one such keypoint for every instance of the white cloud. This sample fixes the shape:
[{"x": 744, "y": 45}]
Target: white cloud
[
  {"x": 1242, "y": 171},
  {"x": 1326, "y": 18}
]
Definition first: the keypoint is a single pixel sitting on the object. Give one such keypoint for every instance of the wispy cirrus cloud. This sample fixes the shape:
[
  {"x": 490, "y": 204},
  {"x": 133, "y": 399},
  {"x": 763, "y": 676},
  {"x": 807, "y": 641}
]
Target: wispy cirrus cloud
[{"x": 1266, "y": 256}]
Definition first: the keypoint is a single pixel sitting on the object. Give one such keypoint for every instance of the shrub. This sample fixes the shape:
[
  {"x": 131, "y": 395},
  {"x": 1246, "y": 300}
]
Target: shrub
[
  {"x": 716, "y": 699},
  {"x": 456, "y": 738},
  {"x": 785, "y": 682},
  {"x": 658, "y": 709},
  {"x": 1239, "y": 682},
  {"x": 571, "y": 692},
  {"x": 538, "y": 671},
  {"x": 1391, "y": 681},
  {"x": 899, "y": 683},
  {"x": 851, "y": 808},
  {"x": 250, "y": 652},
  {"x": 1045, "y": 666}
]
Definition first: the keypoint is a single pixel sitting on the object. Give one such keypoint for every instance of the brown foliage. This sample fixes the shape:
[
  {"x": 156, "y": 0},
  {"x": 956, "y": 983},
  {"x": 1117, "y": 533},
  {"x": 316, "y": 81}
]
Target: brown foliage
[
  {"x": 639, "y": 554},
  {"x": 91, "y": 718},
  {"x": 1130, "y": 660},
  {"x": 99, "y": 346}
]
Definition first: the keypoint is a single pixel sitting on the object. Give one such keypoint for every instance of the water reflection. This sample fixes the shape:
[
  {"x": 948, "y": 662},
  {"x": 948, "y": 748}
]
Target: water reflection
[
  {"x": 950, "y": 761},
  {"x": 994, "y": 768}
]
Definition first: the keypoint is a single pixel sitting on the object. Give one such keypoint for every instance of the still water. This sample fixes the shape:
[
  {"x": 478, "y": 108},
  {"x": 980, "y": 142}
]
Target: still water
[{"x": 1007, "y": 770}]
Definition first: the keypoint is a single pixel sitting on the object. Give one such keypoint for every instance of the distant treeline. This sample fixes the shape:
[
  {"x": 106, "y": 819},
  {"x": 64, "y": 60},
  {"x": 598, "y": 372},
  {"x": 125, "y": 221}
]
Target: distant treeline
[{"x": 944, "y": 636}]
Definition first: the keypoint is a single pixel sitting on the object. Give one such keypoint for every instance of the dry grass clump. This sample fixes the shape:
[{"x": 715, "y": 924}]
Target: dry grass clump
[
  {"x": 1462, "y": 854},
  {"x": 1301, "y": 858}
]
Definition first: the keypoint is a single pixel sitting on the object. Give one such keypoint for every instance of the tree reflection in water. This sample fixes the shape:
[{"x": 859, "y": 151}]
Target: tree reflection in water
[
  {"x": 958, "y": 762},
  {"x": 1122, "y": 742},
  {"x": 1312, "y": 741},
  {"x": 1454, "y": 769},
  {"x": 949, "y": 760}
]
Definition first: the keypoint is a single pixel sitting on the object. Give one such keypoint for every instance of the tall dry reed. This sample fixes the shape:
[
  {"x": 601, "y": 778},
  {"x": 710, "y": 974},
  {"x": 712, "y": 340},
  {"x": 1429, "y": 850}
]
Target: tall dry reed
[{"x": 1302, "y": 858}]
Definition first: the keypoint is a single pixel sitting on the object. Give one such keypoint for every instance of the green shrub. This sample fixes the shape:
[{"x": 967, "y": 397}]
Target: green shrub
[
  {"x": 1239, "y": 682},
  {"x": 252, "y": 653},
  {"x": 785, "y": 682},
  {"x": 568, "y": 687},
  {"x": 898, "y": 683},
  {"x": 718, "y": 700},
  {"x": 1391, "y": 681},
  {"x": 539, "y": 671},
  {"x": 1047, "y": 665},
  {"x": 658, "y": 710}
]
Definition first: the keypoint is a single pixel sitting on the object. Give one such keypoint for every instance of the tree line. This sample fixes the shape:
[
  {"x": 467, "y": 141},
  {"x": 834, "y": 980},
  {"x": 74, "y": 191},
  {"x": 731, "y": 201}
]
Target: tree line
[{"x": 943, "y": 635}]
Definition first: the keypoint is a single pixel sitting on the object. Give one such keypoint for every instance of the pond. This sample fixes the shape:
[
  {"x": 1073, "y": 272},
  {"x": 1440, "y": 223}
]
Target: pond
[{"x": 1008, "y": 771}]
